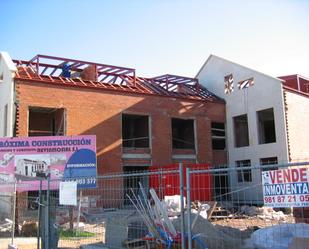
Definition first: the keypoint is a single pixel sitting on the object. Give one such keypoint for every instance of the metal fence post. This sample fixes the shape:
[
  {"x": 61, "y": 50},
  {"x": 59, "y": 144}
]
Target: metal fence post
[
  {"x": 14, "y": 213},
  {"x": 47, "y": 220},
  {"x": 189, "y": 208},
  {"x": 182, "y": 209},
  {"x": 39, "y": 215},
  {"x": 79, "y": 209}
]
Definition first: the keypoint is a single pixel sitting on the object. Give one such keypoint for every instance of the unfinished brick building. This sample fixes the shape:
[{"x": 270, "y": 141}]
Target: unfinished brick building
[{"x": 138, "y": 121}]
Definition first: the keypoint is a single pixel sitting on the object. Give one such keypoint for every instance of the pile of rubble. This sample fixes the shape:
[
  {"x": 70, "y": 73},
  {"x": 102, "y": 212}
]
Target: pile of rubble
[
  {"x": 215, "y": 237},
  {"x": 265, "y": 213},
  {"x": 5, "y": 225}
]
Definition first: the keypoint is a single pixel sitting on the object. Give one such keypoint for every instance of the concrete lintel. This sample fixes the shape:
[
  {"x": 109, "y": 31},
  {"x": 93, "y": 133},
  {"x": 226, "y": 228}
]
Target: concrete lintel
[
  {"x": 136, "y": 156},
  {"x": 184, "y": 156}
]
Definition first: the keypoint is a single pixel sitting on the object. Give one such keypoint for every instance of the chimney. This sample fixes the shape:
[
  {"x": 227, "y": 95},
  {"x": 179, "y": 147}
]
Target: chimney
[{"x": 90, "y": 73}]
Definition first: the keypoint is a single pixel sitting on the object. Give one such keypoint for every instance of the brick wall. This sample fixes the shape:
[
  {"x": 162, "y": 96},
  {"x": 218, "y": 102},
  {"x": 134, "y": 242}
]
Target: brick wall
[{"x": 99, "y": 112}]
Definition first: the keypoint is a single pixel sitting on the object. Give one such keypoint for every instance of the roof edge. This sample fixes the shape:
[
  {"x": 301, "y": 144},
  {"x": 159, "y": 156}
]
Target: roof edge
[
  {"x": 294, "y": 75},
  {"x": 8, "y": 61},
  {"x": 235, "y": 63},
  {"x": 295, "y": 91},
  {"x": 30, "y": 81}
]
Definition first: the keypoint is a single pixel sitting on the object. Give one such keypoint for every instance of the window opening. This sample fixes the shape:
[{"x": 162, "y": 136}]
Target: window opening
[
  {"x": 241, "y": 132},
  {"x": 266, "y": 126},
  {"x": 218, "y": 136},
  {"x": 228, "y": 84},
  {"x": 46, "y": 121},
  {"x": 135, "y": 131},
  {"x": 183, "y": 133},
  {"x": 245, "y": 83},
  {"x": 269, "y": 161},
  {"x": 5, "y": 121},
  {"x": 244, "y": 175}
]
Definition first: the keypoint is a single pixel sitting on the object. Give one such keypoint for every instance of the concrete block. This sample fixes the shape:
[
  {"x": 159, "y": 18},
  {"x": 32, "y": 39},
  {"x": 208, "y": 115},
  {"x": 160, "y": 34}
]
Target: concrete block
[{"x": 12, "y": 247}]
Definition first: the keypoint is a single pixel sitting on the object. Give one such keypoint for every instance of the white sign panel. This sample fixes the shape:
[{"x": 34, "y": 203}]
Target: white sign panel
[
  {"x": 286, "y": 187},
  {"x": 68, "y": 193}
]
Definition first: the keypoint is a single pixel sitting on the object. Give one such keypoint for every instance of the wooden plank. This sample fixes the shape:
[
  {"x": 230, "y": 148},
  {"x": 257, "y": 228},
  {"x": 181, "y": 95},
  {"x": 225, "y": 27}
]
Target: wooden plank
[{"x": 213, "y": 205}]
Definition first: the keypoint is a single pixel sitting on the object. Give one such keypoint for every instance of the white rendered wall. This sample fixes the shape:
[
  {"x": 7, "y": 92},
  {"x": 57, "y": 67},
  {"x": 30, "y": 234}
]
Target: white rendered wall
[
  {"x": 265, "y": 93},
  {"x": 297, "y": 123},
  {"x": 7, "y": 69}
]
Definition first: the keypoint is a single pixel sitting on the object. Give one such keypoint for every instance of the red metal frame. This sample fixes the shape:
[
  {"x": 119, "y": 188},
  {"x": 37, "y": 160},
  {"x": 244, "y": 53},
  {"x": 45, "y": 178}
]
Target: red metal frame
[
  {"x": 52, "y": 66},
  {"x": 49, "y": 69}
]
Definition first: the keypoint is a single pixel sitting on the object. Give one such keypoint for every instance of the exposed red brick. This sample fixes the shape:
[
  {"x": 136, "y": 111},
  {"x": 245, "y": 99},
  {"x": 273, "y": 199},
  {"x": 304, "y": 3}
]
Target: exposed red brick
[{"x": 89, "y": 111}]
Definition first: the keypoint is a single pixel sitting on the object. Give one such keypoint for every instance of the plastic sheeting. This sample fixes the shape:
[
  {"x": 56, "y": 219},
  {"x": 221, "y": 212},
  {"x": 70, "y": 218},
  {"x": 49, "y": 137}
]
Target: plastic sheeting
[{"x": 279, "y": 236}]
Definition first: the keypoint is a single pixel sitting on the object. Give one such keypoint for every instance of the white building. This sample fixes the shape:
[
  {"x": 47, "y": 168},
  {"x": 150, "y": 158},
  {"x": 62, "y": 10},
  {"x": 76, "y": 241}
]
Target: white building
[
  {"x": 7, "y": 98},
  {"x": 265, "y": 119},
  {"x": 28, "y": 167}
]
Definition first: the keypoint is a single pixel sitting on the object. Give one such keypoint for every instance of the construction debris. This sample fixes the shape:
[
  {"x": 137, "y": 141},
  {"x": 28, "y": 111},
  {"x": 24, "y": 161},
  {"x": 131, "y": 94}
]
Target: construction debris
[
  {"x": 6, "y": 225},
  {"x": 265, "y": 213},
  {"x": 220, "y": 213},
  {"x": 155, "y": 217},
  {"x": 173, "y": 204},
  {"x": 29, "y": 229},
  {"x": 204, "y": 209},
  {"x": 212, "y": 236}
]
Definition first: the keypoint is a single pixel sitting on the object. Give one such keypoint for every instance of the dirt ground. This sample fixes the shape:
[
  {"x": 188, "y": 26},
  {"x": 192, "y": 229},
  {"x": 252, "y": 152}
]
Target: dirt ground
[
  {"x": 244, "y": 223},
  {"x": 251, "y": 222},
  {"x": 68, "y": 243}
]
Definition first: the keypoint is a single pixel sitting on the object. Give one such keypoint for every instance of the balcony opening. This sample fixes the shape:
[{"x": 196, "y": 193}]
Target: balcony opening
[
  {"x": 221, "y": 183},
  {"x": 135, "y": 131},
  {"x": 46, "y": 121},
  {"x": 241, "y": 132},
  {"x": 244, "y": 175},
  {"x": 266, "y": 126},
  {"x": 218, "y": 136},
  {"x": 131, "y": 183},
  {"x": 183, "y": 133}
]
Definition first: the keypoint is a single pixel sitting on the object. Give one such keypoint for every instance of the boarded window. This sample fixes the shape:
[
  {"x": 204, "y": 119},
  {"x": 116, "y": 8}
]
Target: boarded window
[
  {"x": 218, "y": 136},
  {"x": 269, "y": 161},
  {"x": 183, "y": 133},
  {"x": 266, "y": 126},
  {"x": 5, "y": 121},
  {"x": 244, "y": 175},
  {"x": 46, "y": 121},
  {"x": 241, "y": 133},
  {"x": 135, "y": 131}
]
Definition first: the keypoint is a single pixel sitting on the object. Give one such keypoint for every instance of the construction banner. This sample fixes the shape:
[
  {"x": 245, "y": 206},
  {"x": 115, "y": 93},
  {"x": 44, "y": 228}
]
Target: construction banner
[{"x": 59, "y": 157}]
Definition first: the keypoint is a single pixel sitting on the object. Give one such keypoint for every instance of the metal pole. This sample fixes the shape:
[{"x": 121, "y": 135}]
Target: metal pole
[
  {"x": 47, "y": 231},
  {"x": 189, "y": 209},
  {"x": 39, "y": 215},
  {"x": 182, "y": 209},
  {"x": 14, "y": 213},
  {"x": 79, "y": 209}
]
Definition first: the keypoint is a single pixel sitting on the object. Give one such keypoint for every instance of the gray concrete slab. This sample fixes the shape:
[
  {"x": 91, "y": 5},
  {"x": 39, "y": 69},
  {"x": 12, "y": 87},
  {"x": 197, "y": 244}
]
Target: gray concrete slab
[{"x": 95, "y": 246}]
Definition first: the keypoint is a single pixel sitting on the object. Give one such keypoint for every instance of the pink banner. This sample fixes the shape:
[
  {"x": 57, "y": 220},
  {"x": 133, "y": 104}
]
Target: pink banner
[{"x": 62, "y": 157}]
